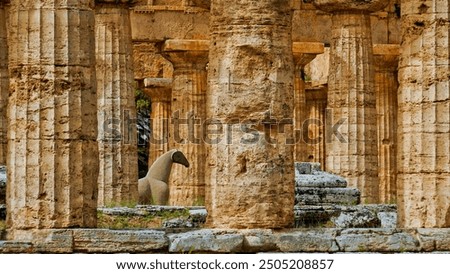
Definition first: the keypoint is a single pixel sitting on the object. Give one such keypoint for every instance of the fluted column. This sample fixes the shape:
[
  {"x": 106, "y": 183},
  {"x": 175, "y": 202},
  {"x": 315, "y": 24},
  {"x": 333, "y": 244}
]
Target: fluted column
[
  {"x": 316, "y": 105},
  {"x": 117, "y": 179},
  {"x": 52, "y": 115},
  {"x": 250, "y": 107},
  {"x": 4, "y": 82},
  {"x": 352, "y": 147},
  {"x": 424, "y": 115},
  {"x": 303, "y": 53},
  {"x": 189, "y": 59},
  {"x": 160, "y": 92},
  {"x": 386, "y": 87}
]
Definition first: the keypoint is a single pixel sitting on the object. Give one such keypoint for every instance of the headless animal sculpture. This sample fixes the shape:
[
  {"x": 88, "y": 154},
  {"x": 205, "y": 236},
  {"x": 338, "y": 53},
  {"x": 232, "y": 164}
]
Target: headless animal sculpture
[{"x": 153, "y": 187}]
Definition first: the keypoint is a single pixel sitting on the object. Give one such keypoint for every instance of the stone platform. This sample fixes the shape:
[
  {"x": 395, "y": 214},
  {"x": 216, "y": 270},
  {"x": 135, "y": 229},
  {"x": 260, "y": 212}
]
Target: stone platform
[{"x": 329, "y": 240}]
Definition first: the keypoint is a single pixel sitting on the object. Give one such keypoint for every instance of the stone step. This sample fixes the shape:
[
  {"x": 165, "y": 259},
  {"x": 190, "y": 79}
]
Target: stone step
[
  {"x": 359, "y": 216},
  {"x": 326, "y": 196},
  {"x": 310, "y": 175}
]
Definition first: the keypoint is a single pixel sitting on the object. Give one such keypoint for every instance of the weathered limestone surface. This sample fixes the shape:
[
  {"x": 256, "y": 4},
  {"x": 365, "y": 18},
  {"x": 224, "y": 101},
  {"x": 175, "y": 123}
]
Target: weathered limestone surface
[
  {"x": 345, "y": 216},
  {"x": 52, "y": 115},
  {"x": 330, "y": 240},
  {"x": 423, "y": 179},
  {"x": 189, "y": 59},
  {"x": 250, "y": 92},
  {"x": 118, "y": 241},
  {"x": 4, "y": 81},
  {"x": 386, "y": 86},
  {"x": 316, "y": 105},
  {"x": 303, "y": 54},
  {"x": 351, "y": 95},
  {"x": 160, "y": 92},
  {"x": 148, "y": 63},
  {"x": 118, "y": 175}
]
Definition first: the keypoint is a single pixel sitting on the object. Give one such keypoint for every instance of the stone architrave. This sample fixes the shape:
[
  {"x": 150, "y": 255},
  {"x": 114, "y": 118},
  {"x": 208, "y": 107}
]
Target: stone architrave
[
  {"x": 189, "y": 59},
  {"x": 4, "y": 81},
  {"x": 423, "y": 180},
  {"x": 52, "y": 115},
  {"x": 351, "y": 144},
  {"x": 117, "y": 134},
  {"x": 250, "y": 111},
  {"x": 160, "y": 92},
  {"x": 304, "y": 53},
  {"x": 386, "y": 86}
]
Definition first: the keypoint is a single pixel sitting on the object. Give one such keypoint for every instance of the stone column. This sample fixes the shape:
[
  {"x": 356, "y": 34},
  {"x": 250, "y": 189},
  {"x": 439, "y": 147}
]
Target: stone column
[
  {"x": 386, "y": 87},
  {"x": 424, "y": 115},
  {"x": 352, "y": 147},
  {"x": 189, "y": 59},
  {"x": 160, "y": 92},
  {"x": 117, "y": 135},
  {"x": 304, "y": 53},
  {"x": 52, "y": 115},
  {"x": 316, "y": 104},
  {"x": 250, "y": 107},
  {"x": 4, "y": 82}
]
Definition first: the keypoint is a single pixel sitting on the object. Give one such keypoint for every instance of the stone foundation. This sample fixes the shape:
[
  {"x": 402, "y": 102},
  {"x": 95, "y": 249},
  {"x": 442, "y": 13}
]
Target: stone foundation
[{"x": 329, "y": 240}]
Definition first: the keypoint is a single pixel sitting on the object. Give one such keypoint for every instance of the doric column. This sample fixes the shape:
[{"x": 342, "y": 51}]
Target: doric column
[
  {"x": 160, "y": 92},
  {"x": 352, "y": 146},
  {"x": 52, "y": 115},
  {"x": 189, "y": 59},
  {"x": 304, "y": 53},
  {"x": 250, "y": 111},
  {"x": 386, "y": 87},
  {"x": 117, "y": 140},
  {"x": 316, "y": 104},
  {"x": 424, "y": 115},
  {"x": 4, "y": 81}
]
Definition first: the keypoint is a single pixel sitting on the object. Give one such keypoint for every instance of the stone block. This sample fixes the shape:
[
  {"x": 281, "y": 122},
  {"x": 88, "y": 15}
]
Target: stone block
[
  {"x": 388, "y": 219},
  {"x": 320, "y": 180},
  {"x": 434, "y": 239},
  {"x": 358, "y": 218},
  {"x": 317, "y": 196},
  {"x": 320, "y": 240},
  {"x": 212, "y": 241},
  {"x": 44, "y": 240},
  {"x": 377, "y": 240},
  {"x": 15, "y": 247},
  {"x": 306, "y": 168},
  {"x": 119, "y": 241},
  {"x": 259, "y": 240}
]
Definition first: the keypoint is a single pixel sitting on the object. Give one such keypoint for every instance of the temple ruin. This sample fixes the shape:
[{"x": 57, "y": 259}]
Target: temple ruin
[{"x": 245, "y": 89}]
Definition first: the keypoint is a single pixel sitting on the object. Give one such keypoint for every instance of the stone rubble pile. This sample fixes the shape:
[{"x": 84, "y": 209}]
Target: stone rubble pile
[{"x": 323, "y": 200}]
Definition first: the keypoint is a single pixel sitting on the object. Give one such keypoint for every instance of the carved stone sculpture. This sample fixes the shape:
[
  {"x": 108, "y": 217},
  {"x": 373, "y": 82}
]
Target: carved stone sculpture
[{"x": 153, "y": 188}]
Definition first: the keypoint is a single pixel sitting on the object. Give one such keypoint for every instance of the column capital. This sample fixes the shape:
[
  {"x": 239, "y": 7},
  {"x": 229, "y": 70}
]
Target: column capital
[
  {"x": 366, "y": 6},
  {"x": 158, "y": 89},
  {"x": 305, "y": 52},
  {"x": 386, "y": 56},
  {"x": 186, "y": 53}
]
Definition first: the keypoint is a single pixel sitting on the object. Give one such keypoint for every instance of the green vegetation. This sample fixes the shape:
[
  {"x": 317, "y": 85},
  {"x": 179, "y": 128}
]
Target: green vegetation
[
  {"x": 2, "y": 225},
  {"x": 129, "y": 204},
  {"x": 148, "y": 221},
  {"x": 199, "y": 202},
  {"x": 143, "y": 103}
]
